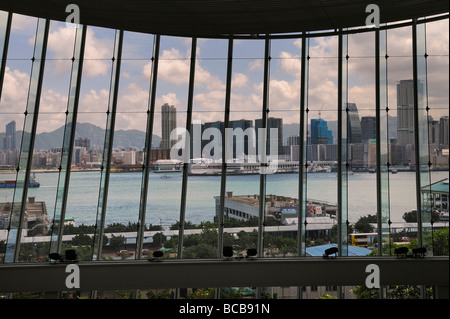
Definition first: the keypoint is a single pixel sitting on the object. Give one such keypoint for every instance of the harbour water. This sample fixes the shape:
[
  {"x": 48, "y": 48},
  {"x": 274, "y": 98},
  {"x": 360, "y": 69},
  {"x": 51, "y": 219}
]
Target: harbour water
[{"x": 164, "y": 194}]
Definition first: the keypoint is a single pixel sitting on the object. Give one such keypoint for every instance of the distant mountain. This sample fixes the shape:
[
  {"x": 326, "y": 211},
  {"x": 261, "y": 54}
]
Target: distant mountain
[{"x": 123, "y": 138}]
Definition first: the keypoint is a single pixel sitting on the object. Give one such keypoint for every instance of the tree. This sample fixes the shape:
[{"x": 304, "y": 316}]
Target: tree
[
  {"x": 363, "y": 225},
  {"x": 81, "y": 240},
  {"x": 159, "y": 239},
  {"x": 200, "y": 251},
  {"x": 411, "y": 217},
  {"x": 116, "y": 242},
  {"x": 440, "y": 242}
]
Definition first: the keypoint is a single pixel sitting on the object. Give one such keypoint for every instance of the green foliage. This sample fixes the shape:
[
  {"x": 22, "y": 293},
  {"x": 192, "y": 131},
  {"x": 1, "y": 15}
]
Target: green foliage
[
  {"x": 411, "y": 217},
  {"x": 202, "y": 293},
  {"x": 327, "y": 296},
  {"x": 165, "y": 294},
  {"x": 392, "y": 292},
  {"x": 363, "y": 225},
  {"x": 440, "y": 242}
]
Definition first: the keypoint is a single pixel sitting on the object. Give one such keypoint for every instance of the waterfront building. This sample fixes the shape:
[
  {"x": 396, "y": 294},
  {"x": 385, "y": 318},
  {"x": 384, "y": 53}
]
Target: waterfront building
[
  {"x": 437, "y": 195},
  {"x": 36, "y": 223}
]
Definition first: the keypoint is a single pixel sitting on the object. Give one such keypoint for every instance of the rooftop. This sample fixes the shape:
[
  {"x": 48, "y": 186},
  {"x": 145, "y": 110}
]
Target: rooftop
[
  {"x": 437, "y": 187},
  {"x": 319, "y": 251}
]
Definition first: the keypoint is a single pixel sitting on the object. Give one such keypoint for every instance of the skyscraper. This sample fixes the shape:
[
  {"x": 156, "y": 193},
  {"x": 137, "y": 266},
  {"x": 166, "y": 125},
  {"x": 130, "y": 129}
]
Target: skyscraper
[
  {"x": 443, "y": 132},
  {"x": 354, "y": 124},
  {"x": 368, "y": 128},
  {"x": 9, "y": 141},
  {"x": 168, "y": 124},
  {"x": 405, "y": 112},
  {"x": 320, "y": 134},
  {"x": 83, "y": 142},
  {"x": 272, "y": 122}
]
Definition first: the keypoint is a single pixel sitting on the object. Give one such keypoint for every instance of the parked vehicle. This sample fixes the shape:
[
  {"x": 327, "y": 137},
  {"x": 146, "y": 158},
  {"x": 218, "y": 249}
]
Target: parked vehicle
[{"x": 124, "y": 252}]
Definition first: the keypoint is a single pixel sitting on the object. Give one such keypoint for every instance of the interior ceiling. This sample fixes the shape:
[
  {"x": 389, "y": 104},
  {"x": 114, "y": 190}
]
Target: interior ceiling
[{"x": 217, "y": 18}]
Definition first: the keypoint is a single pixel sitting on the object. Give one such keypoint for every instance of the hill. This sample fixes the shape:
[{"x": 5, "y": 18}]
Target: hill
[{"x": 123, "y": 138}]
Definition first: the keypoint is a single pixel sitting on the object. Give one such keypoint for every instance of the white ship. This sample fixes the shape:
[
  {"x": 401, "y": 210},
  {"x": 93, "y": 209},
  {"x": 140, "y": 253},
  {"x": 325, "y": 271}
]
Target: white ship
[
  {"x": 167, "y": 166},
  {"x": 207, "y": 168}
]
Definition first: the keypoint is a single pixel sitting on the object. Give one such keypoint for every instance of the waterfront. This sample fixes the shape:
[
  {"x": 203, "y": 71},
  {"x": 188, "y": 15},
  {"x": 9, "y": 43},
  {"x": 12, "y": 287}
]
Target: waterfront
[{"x": 164, "y": 194}]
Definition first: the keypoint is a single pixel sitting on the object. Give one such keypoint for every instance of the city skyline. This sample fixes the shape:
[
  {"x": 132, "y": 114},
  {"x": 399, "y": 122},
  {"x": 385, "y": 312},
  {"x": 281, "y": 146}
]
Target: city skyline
[{"x": 209, "y": 91}]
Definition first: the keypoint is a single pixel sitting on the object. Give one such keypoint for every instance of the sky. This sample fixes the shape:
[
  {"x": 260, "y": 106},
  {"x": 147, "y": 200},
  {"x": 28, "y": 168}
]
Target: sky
[{"x": 210, "y": 76}]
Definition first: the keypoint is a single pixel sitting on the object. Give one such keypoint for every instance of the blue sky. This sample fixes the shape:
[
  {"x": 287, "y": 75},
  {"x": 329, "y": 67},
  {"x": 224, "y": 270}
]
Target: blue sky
[{"x": 209, "y": 91}]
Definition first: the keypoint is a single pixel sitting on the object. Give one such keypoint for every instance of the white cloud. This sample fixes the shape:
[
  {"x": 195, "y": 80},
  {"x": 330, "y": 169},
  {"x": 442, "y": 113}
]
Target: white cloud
[
  {"x": 98, "y": 51},
  {"x": 256, "y": 65},
  {"x": 239, "y": 81}
]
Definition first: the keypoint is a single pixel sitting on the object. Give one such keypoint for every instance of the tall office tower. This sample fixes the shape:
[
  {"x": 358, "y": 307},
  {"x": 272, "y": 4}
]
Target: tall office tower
[
  {"x": 83, "y": 142},
  {"x": 433, "y": 132},
  {"x": 320, "y": 134},
  {"x": 443, "y": 132},
  {"x": 272, "y": 122},
  {"x": 368, "y": 128},
  {"x": 241, "y": 146},
  {"x": 293, "y": 140},
  {"x": 216, "y": 126},
  {"x": 405, "y": 112},
  {"x": 354, "y": 124},
  {"x": 9, "y": 141},
  {"x": 168, "y": 124}
]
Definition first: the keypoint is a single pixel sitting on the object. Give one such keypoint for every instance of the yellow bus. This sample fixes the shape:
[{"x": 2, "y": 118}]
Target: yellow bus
[{"x": 362, "y": 239}]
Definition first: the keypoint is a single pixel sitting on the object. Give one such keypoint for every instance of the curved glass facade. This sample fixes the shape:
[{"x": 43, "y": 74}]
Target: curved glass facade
[{"x": 120, "y": 144}]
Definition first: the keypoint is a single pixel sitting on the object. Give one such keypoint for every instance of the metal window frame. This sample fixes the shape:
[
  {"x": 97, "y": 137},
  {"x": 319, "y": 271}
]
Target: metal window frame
[
  {"x": 68, "y": 140},
  {"x": 107, "y": 149},
  {"x": 148, "y": 146},
  {"x": 187, "y": 147},
  {"x": 4, "y": 51},
  {"x": 27, "y": 145},
  {"x": 223, "y": 179}
]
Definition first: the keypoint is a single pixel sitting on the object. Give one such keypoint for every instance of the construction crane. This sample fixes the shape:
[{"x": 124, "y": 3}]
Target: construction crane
[{"x": 320, "y": 112}]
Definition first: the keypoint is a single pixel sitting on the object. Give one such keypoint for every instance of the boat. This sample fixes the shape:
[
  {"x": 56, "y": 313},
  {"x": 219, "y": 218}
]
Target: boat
[
  {"x": 12, "y": 183},
  {"x": 240, "y": 168},
  {"x": 167, "y": 166}
]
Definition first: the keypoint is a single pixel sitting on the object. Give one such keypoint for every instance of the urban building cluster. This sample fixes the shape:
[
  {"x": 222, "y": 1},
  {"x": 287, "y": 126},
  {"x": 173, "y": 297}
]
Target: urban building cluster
[{"x": 361, "y": 140}]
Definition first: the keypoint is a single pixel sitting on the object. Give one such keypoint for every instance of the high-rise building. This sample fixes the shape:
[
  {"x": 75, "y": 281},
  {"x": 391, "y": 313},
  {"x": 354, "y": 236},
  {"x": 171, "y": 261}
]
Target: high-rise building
[
  {"x": 272, "y": 122},
  {"x": 241, "y": 146},
  {"x": 83, "y": 142},
  {"x": 354, "y": 124},
  {"x": 443, "y": 132},
  {"x": 433, "y": 132},
  {"x": 241, "y": 142},
  {"x": 320, "y": 134},
  {"x": 168, "y": 124},
  {"x": 368, "y": 128},
  {"x": 405, "y": 112},
  {"x": 9, "y": 141}
]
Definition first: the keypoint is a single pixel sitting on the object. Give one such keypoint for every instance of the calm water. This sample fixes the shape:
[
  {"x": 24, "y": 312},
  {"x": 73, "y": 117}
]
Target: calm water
[{"x": 164, "y": 194}]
